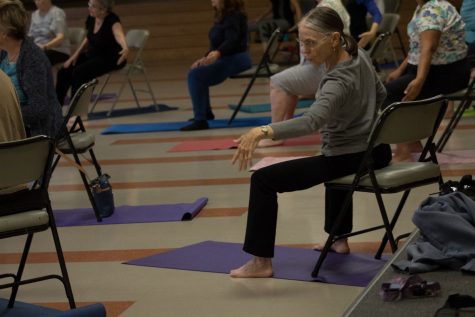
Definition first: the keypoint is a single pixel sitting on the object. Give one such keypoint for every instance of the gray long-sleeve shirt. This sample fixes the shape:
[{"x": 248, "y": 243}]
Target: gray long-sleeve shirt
[{"x": 345, "y": 107}]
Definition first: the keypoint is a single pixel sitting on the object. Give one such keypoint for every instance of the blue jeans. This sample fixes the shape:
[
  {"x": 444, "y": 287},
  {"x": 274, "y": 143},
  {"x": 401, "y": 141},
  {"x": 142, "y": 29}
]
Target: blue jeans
[{"x": 203, "y": 77}]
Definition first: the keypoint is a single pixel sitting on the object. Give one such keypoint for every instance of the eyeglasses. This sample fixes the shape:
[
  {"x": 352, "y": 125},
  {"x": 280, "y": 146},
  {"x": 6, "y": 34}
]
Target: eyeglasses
[{"x": 310, "y": 43}]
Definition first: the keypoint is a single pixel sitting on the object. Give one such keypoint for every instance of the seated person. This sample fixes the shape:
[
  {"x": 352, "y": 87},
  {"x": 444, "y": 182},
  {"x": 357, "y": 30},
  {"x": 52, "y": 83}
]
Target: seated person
[
  {"x": 48, "y": 30},
  {"x": 437, "y": 52},
  {"x": 358, "y": 10},
  {"x": 298, "y": 81},
  {"x": 103, "y": 50},
  {"x": 467, "y": 12},
  {"x": 11, "y": 122},
  {"x": 227, "y": 56},
  {"x": 343, "y": 112},
  {"x": 29, "y": 70}
]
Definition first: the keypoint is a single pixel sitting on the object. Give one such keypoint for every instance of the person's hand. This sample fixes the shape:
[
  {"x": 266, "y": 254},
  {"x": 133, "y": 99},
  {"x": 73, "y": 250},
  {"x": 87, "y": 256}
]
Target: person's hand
[
  {"x": 69, "y": 62},
  {"x": 366, "y": 38},
  {"x": 412, "y": 90},
  {"x": 395, "y": 74},
  {"x": 123, "y": 55},
  {"x": 198, "y": 63},
  {"x": 247, "y": 143}
]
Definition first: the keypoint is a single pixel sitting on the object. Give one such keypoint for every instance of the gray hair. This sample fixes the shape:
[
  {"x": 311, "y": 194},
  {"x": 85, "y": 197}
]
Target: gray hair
[
  {"x": 107, "y": 5},
  {"x": 326, "y": 20}
]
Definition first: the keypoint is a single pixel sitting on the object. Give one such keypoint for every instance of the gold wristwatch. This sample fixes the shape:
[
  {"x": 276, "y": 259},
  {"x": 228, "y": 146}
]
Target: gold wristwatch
[{"x": 265, "y": 130}]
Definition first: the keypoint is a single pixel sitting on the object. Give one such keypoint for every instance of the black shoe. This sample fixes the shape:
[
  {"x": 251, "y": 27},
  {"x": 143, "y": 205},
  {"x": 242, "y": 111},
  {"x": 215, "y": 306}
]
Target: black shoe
[
  {"x": 196, "y": 125},
  {"x": 209, "y": 116}
]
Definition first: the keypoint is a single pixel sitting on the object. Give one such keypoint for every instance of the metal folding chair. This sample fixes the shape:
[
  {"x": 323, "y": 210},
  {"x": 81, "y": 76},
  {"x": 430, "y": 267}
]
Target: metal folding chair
[
  {"x": 399, "y": 123},
  {"x": 264, "y": 69},
  {"x": 136, "y": 40},
  {"x": 76, "y": 140},
  {"x": 28, "y": 211}
]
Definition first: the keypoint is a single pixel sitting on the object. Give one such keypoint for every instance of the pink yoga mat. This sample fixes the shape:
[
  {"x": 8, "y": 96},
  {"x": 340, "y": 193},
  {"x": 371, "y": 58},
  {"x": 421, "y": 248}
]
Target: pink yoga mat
[{"x": 226, "y": 144}]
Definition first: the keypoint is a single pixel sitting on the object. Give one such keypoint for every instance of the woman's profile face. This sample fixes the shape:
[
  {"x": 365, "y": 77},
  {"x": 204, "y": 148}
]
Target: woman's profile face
[
  {"x": 315, "y": 46},
  {"x": 217, "y": 4}
]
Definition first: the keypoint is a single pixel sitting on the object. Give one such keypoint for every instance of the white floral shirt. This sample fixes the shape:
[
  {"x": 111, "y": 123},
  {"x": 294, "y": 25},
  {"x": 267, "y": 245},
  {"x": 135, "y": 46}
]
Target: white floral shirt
[
  {"x": 441, "y": 16},
  {"x": 340, "y": 9}
]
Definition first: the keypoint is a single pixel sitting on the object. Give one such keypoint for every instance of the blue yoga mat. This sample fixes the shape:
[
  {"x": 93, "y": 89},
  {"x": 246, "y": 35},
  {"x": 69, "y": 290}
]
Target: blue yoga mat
[
  {"x": 174, "y": 126},
  {"x": 288, "y": 263},
  {"x": 131, "y": 214},
  {"x": 129, "y": 111},
  {"x": 266, "y": 107},
  {"x": 21, "y": 309}
]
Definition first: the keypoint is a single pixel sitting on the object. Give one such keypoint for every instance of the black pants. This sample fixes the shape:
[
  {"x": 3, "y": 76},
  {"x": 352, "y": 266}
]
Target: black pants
[
  {"x": 441, "y": 79},
  {"x": 298, "y": 175},
  {"x": 85, "y": 69},
  {"x": 56, "y": 57}
]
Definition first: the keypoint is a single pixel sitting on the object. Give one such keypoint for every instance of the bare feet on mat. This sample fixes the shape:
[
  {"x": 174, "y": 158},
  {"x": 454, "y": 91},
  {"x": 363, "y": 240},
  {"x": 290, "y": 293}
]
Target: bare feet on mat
[
  {"x": 257, "y": 267},
  {"x": 269, "y": 143},
  {"x": 339, "y": 246}
]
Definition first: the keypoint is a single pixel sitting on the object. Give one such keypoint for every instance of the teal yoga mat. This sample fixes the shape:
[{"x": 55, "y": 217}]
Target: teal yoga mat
[
  {"x": 174, "y": 126},
  {"x": 265, "y": 107}
]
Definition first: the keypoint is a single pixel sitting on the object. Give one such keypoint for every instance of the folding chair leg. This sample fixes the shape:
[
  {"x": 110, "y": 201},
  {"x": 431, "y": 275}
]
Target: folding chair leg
[
  {"x": 134, "y": 93},
  {"x": 150, "y": 91},
  {"x": 21, "y": 268},
  {"x": 389, "y": 227},
  {"x": 62, "y": 263},
  {"x": 384, "y": 241},
  {"x": 95, "y": 162},
  {"x": 243, "y": 97},
  {"x": 452, "y": 125},
  {"x": 55, "y": 163},
  {"x": 100, "y": 93}
]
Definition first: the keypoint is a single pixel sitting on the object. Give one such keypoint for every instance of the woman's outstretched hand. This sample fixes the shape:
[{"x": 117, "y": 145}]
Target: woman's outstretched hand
[{"x": 247, "y": 143}]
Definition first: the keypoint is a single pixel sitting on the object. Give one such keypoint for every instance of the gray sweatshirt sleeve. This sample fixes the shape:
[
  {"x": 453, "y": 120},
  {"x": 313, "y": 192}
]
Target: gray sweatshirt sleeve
[{"x": 332, "y": 95}]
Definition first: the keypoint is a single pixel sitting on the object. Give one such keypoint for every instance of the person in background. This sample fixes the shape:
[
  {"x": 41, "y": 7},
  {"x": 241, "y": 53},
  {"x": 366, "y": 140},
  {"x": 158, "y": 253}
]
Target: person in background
[
  {"x": 103, "y": 50},
  {"x": 437, "y": 52},
  {"x": 227, "y": 56},
  {"x": 358, "y": 10},
  {"x": 467, "y": 12},
  {"x": 11, "y": 122},
  {"x": 49, "y": 31},
  {"x": 344, "y": 111},
  {"x": 29, "y": 70},
  {"x": 298, "y": 81}
]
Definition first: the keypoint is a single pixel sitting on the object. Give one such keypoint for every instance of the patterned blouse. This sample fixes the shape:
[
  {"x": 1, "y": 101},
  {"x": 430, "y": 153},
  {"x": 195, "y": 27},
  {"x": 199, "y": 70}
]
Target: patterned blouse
[{"x": 441, "y": 16}]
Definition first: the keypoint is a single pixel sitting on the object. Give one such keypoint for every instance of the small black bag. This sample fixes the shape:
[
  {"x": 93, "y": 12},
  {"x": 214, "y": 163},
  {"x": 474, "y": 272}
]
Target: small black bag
[
  {"x": 101, "y": 191},
  {"x": 466, "y": 185}
]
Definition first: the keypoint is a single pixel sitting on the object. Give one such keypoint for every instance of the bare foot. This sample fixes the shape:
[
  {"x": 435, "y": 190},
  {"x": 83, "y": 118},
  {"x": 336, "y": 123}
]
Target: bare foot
[
  {"x": 269, "y": 143},
  {"x": 257, "y": 267},
  {"x": 339, "y": 246},
  {"x": 402, "y": 158}
]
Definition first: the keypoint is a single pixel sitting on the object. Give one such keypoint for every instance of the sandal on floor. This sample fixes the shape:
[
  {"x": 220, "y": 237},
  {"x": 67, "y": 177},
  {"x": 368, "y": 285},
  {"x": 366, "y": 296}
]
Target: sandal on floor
[{"x": 408, "y": 287}]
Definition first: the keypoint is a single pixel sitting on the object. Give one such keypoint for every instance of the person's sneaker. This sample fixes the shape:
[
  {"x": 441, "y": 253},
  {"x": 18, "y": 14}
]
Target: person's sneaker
[
  {"x": 209, "y": 116},
  {"x": 196, "y": 125}
]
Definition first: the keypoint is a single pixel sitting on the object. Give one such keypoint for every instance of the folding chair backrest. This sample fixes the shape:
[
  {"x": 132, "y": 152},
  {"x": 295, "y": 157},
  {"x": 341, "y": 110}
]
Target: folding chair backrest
[
  {"x": 136, "y": 40},
  {"x": 404, "y": 122},
  {"x": 269, "y": 32},
  {"x": 389, "y": 22},
  {"x": 392, "y": 6},
  {"x": 25, "y": 160},
  {"x": 79, "y": 105},
  {"x": 76, "y": 35},
  {"x": 378, "y": 49}
]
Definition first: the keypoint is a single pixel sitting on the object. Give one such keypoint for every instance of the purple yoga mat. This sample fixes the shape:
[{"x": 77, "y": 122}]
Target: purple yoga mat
[
  {"x": 131, "y": 214},
  {"x": 288, "y": 263}
]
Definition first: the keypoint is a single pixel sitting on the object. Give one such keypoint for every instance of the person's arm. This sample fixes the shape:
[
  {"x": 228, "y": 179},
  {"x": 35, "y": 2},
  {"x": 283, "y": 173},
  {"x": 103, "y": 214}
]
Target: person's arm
[
  {"x": 72, "y": 60},
  {"x": 59, "y": 27},
  {"x": 247, "y": 143},
  {"x": 367, "y": 37},
  {"x": 397, "y": 72},
  {"x": 119, "y": 36},
  {"x": 429, "y": 41}
]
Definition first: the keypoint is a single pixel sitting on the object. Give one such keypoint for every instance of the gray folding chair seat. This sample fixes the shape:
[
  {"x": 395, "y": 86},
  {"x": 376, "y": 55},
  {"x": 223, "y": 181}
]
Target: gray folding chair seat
[
  {"x": 28, "y": 211},
  {"x": 83, "y": 141},
  {"x": 399, "y": 123}
]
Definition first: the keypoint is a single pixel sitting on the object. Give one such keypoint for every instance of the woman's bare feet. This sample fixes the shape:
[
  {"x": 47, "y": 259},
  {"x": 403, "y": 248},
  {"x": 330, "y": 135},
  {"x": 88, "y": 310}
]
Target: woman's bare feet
[
  {"x": 339, "y": 246},
  {"x": 269, "y": 143},
  {"x": 257, "y": 267}
]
